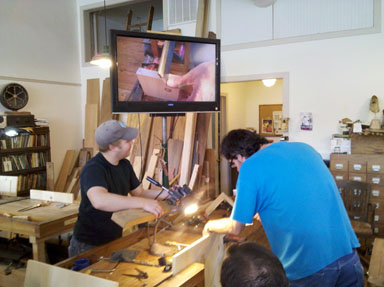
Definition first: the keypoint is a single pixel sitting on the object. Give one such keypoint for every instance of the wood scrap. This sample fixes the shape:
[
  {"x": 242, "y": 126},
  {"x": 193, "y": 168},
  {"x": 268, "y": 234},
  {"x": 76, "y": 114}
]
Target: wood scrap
[
  {"x": 186, "y": 159},
  {"x": 215, "y": 203},
  {"x": 70, "y": 159},
  {"x": 192, "y": 182},
  {"x": 151, "y": 168},
  {"x": 51, "y": 196},
  {"x": 91, "y": 124},
  {"x": 106, "y": 108},
  {"x": 50, "y": 176}
]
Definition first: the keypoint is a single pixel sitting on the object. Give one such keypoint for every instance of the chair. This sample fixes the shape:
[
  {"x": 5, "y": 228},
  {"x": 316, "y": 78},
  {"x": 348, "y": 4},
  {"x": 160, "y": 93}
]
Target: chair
[{"x": 361, "y": 212}]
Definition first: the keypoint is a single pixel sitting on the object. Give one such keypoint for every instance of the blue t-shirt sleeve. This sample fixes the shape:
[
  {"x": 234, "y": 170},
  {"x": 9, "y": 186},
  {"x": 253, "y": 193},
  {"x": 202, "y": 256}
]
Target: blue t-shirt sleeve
[{"x": 248, "y": 196}]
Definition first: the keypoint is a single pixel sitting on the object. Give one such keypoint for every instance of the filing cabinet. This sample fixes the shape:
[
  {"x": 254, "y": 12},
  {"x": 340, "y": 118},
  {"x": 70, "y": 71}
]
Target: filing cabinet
[{"x": 365, "y": 168}]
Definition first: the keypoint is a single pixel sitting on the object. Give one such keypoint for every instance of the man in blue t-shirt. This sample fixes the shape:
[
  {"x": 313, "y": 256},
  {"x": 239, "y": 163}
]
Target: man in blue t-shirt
[
  {"x": 105, "y": 182},
  {"x": 299, "y": 205}
]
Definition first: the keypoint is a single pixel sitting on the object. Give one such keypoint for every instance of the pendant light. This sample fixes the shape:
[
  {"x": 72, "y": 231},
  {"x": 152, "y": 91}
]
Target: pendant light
[{"x": 103, "y": 59}]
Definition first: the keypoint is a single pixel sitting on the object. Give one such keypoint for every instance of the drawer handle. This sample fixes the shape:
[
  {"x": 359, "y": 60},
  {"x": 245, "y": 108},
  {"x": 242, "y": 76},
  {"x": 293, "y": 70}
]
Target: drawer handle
[
  {"x": 339, "y": 166},
  {"x": 357, "y": 166},
  {"x": 375, "y": 192},
  {"x": 377, "y": 205},
  {"x": 376, "y": 180},
  {"x": 357, "y": 178},
  {"x": 339, "y": 177},
  {"x": 377, "y": 217},
  {"x": 376, "y": 167}
]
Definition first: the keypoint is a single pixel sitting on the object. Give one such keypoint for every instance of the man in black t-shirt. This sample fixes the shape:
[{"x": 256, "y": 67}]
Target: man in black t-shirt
[{"x": 105, "y": 182}]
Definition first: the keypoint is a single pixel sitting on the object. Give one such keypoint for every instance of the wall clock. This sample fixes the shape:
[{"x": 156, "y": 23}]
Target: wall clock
[{"x": 14, "y": 96}]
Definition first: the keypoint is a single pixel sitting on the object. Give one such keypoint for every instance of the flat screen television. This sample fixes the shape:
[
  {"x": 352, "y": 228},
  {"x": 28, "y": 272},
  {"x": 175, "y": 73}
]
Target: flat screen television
[{"x": 161, "y": 73}]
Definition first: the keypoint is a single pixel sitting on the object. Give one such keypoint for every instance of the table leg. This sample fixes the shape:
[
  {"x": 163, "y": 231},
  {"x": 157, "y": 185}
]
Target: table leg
[{"x": 38, "y": 248}]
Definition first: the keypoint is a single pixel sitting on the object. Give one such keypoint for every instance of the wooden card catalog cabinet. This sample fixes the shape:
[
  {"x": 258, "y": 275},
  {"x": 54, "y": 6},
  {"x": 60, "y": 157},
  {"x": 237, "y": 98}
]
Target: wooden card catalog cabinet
[{"x": 364, "y": 168}]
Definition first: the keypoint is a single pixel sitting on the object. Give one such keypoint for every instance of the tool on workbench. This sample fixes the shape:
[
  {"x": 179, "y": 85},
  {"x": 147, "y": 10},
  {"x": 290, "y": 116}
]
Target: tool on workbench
[
  {"x": 89, "y": 271},
  {"x": 141, "y": 274},
  {"x": 127, "y": 255},
  {"x": 41, "y": 204},
  {"x": 177, "y": 244},
  {"x": 176, "y": 193}
]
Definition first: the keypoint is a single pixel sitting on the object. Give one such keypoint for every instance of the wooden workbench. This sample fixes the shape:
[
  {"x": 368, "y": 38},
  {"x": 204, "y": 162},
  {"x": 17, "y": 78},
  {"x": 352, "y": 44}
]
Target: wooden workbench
[
  {"x": 193, "y": 275},
  {"x": 43, "y": 222}
]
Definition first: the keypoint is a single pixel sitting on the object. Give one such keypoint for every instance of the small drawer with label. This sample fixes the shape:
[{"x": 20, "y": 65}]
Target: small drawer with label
[
  {"x": 375, "y": 165},
  {"x": 357, "y": 177},
  {"x": 376, "y": 179},
  {"x": 340, "y": 176},
  {"x": 357, "y": 165},
  {"x": 339, "y": 165}
]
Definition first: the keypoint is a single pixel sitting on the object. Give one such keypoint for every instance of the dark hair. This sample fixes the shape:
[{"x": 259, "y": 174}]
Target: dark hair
[
  {"x": 243, "y": 142},
  {"x": 252, "y": 265}
]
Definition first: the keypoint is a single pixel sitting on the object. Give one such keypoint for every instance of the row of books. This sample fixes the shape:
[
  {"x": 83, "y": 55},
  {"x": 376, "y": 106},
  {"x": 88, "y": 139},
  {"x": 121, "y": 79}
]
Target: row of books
[
  {"x": 31, "y": 181},
  {"x": 24, "y": 141},
  {"x": 23, "y": 161}
]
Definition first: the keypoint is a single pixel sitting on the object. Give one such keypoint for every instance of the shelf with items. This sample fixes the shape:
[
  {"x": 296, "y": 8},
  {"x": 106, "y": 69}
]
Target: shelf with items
[{"x": 25, "y": 156}]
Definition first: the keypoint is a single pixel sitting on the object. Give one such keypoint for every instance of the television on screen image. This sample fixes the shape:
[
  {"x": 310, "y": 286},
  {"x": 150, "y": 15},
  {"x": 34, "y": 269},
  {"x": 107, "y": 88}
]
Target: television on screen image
[{"x": 159, "y": 73}]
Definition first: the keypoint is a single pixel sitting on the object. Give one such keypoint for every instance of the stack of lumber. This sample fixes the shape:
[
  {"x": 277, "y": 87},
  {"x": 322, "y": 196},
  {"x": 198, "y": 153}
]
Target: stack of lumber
[
  {"x": 69, "y": 176},
  {"x": 189, "y": 162}
]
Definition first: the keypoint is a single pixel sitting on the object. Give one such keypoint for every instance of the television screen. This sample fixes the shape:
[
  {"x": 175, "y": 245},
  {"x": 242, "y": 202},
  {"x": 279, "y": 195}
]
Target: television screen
[{"x": 160, "y": 73}]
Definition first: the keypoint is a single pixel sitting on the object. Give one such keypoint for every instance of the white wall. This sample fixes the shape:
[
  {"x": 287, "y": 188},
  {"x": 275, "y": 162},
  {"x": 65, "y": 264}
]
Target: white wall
[
  {"x": 39, "y": 50},
  {"x": 332, "y": 78},
  {"x": 243, "y": 100}
]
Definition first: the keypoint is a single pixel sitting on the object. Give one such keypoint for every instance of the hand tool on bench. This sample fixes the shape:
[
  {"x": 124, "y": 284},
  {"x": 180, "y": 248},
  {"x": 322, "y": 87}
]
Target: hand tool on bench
[
  {"x": 141, "y": 274},
  {"x": 41, "y": 204}
]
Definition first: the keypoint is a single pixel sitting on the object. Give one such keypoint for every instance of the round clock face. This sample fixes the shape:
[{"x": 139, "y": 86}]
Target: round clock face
[{"x": 14, "y": 97}]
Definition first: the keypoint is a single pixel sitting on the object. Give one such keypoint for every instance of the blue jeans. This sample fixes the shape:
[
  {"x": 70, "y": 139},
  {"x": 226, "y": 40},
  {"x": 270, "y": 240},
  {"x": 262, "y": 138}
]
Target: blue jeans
[
  {"x": 76, "y": 247},
  {"x": 344, "y": 272}
]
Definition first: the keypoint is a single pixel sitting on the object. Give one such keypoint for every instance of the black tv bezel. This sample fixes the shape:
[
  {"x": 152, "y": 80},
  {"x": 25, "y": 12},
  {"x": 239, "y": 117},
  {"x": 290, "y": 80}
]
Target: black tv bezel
[{"x": 161, "y": 107}]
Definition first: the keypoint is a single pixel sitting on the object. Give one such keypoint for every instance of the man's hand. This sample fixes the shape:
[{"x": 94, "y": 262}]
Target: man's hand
[
  {"x": 152, "y": 206},
  {"x": 202, "y": 78}
]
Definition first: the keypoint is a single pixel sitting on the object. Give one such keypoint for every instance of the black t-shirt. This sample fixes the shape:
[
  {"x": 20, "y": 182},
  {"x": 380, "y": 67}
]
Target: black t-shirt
[{"x": 95, "y": 226}]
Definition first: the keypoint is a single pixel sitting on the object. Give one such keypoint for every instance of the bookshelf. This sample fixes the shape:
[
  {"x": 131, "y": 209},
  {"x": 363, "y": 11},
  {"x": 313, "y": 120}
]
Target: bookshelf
[{"x": 25, "y": 156}]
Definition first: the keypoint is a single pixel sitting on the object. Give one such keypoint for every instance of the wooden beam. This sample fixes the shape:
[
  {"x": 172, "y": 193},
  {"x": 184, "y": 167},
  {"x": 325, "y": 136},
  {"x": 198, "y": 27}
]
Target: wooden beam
[
  {"x": 106, "y": 108},
  {"x": 186, "y": 159},
  {"x": 66, "y": 169}
]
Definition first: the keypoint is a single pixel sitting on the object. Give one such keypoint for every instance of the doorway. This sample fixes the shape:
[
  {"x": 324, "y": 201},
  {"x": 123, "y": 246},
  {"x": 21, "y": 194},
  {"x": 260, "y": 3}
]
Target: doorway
[{"x": 243, "y": 97}]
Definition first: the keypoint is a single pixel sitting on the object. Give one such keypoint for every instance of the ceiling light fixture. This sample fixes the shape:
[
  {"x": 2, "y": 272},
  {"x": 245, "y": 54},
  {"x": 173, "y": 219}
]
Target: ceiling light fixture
[
  {"x": 269, "y": 82},
  {"x": 103, "y": 59}
]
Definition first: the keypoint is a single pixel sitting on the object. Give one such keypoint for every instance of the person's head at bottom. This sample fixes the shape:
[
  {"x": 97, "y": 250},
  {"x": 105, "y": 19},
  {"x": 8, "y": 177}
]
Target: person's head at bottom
[{"x": 251, "y": 265}]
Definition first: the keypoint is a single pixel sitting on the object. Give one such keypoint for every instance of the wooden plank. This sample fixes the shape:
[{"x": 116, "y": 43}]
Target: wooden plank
[
  {"x": 91, "y": 124},
  {"x": 196, "y": 252},
  {"x": 210, "y": 156},
  {"x": 66, "y": 168},
  {"x": 8, "y": 185},
  {"x": 137, "y": 165},
  {"x": 131, "y": 217},
  {"x": 192, "y": 182},
  {"x": 376, "y": 265},
  {"x": 186, "y": 159},
  {"x": 93, "y": 91},
  {"x": 106, "y": 107},
  {"x": 175, "y": 149},
  {"x": 42, "y": 274},
  {"x": 51, "y": 196},
  {"x": 222, "y": 197},
  {"x": 50, "y": 176},
  {"x": 213, "y": 261},
  {"x": 151, "y": 168}
]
